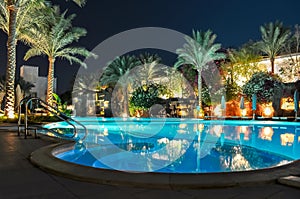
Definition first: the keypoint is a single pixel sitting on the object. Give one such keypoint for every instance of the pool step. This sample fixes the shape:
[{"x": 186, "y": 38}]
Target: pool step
[{"x": 293, "y": 181}]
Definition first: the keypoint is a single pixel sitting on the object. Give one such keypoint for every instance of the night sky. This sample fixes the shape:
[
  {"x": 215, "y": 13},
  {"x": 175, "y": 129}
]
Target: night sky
[{"x": 234, "y": 21}]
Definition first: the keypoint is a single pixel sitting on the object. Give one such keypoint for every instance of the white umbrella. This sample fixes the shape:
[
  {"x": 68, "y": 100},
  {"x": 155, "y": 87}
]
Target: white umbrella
[{"x": 223, "y": 103}]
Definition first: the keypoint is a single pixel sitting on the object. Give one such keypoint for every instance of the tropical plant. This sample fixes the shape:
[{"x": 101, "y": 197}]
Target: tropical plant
[
  {"x": 53, "y": 39},
  {"x": 2, "y": 83},
  {"x": 274, "y": 36},
  {"x": 118, "y": 74},
  {"x": 198, "y": 52},
  {"x": 24, "y": 85},
  {"x": 149, "y": 68},
  {"x": 147, "y": 58},
  {"x": 241, "y": 64},
  {"x": 147, "y": 95},
  {"x": 16, "y": 15},
  {"x": 263, "y": 85},
  {"x": 62, "y": 107}
]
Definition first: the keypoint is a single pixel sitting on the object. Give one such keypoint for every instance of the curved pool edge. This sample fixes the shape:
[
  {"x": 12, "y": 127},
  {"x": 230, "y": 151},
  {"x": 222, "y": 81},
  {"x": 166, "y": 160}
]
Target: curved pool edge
[{"x": 45, "y": 160}]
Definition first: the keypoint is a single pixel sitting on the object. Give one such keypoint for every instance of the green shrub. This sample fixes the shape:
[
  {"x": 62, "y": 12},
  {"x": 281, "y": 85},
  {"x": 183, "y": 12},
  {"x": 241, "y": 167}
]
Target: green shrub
[
  {"x": 146, "y": 96},
  {"x": 263, "y": 85}
]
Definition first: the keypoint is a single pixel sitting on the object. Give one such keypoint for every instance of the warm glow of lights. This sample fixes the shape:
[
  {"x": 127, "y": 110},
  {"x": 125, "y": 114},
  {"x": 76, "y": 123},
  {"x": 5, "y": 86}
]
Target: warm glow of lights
[
  {"x": 124, "y": 115},
  {"x": 182, "y": 113},
  {"x": 165, "y": 96},
  {"x": 182, "y": 125},
  {"x": 243, "y": 132},
  {"x": 287, "y": 139},
  {"x": 266, "y": 133},
  {"x": 244, "y": 112},
  {"x": 287, "y": 104},
  {"x": 218, "y": 110},
  {"x": 198, "y": 113},
  {"x": 244, "y": 129},
  {"x": 138, "y": 114},
  {"x": 106, "y": 104},
  {"x": 163, "y": 141},
  {"x": 11, "y": 114},
  {"x": 198, "y": 127},
  {"x": 105, "y": 132},
  {"x": 217, "y": 130},
  {"x": 268, "y": 111},
  {"x": 180, "y": 131}
]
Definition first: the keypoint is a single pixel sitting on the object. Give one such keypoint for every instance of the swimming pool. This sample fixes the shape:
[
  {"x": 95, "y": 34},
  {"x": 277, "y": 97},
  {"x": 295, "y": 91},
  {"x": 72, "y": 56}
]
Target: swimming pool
[{"x": 187, "y": 146}]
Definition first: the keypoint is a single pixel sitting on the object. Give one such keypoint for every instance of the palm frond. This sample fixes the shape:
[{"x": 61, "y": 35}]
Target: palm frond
[
  {"x": 32, "y": 52},
  {"x": 73, "y": 59}
]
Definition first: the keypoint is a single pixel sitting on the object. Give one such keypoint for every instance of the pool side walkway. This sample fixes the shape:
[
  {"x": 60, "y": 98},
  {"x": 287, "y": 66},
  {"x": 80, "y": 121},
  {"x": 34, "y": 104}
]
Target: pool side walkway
[{"x": 20, "y": 179}]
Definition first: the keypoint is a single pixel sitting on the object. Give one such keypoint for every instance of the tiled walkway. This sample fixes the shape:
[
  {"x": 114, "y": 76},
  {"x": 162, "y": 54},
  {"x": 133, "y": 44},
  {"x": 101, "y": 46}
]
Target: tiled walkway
[{"x": 20, "y": 179}]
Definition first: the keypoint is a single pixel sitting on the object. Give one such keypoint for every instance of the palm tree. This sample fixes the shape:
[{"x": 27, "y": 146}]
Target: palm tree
[
  {"x": 147, "y": 58},
  {"x": 79, "y": 2},
  {"x": 118, "y": 71},
  {"x": 53, "y": 39},
  {"x": 242, "y": 64},
  {"x": 24, "y": 85},
  {"x": 274, "y": 36},
  {"x": 198, "y": 52},
  {"x": 16, "y": 15},
  {"x": 149, "y": 69}
]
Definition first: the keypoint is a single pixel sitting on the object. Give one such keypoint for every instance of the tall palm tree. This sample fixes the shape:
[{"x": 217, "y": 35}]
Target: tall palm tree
[
  {"x": 118, "y": 71},
  {"x": 53, "y": 39},
  {"x": 198, "y": 52},
  {"x": 15, "y": 15},
  {"x": 274, "y": 36}
]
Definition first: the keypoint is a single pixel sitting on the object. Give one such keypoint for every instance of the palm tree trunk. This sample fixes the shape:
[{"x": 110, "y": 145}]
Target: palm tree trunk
[
  {"x": 49, "y": 97},
  {"x": 200, "y": 89},
  {"x": 272, "y": 59},
  {"x": 11, "y": 60}
]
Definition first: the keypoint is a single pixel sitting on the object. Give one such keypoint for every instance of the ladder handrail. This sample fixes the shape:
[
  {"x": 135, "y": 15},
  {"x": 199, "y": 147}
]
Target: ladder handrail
[
  {"x": 54, "y": 111},
  {"x": 19, "y": 114}
]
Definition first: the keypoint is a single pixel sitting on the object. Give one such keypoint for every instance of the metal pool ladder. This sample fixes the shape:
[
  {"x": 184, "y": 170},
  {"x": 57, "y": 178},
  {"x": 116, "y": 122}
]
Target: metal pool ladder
[{"x": 54, "y": 111}]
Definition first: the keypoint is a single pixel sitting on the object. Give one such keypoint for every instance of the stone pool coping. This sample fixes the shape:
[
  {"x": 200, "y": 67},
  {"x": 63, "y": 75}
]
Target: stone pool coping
[{"x": 45, "y": 160}]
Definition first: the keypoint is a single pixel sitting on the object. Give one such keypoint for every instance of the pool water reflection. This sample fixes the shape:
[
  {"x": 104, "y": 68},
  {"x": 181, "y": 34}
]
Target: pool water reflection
[{"x": 184, "y": 145}]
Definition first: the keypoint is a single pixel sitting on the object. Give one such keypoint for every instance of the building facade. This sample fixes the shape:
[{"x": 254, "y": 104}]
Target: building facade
[{"x": 31, "y": 74}]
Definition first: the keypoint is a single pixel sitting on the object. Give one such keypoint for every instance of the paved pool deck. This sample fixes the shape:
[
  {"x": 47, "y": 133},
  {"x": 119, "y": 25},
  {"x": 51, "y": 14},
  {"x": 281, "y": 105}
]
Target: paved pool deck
[{"x": 21, "y": 179}]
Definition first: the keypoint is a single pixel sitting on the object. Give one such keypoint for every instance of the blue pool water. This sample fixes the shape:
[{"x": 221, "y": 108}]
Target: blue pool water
[{"x": 183, "y": 145}]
